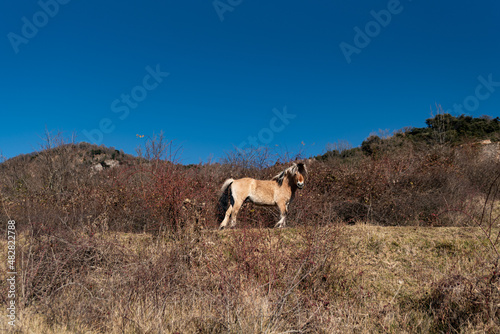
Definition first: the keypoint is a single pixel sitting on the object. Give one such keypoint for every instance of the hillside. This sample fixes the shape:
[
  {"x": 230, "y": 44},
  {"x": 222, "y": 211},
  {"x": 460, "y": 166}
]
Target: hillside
[
  {"x": 74, "y": 155},
  {"x": 442, "y": 129},
  {"x": 399, "y": 235}
]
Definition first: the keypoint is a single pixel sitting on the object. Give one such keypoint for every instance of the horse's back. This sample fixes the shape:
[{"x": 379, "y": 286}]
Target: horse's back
[{"x": 258, "y": 191}]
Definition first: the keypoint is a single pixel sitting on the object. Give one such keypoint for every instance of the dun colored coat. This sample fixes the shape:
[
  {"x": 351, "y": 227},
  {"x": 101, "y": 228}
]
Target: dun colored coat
[{"x": 279, "y": 191}]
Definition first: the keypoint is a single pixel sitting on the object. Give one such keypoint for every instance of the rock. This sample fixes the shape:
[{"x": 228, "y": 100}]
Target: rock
[
  {"x": 96, "y": 168},
  {"x": 111, "y": 163}
]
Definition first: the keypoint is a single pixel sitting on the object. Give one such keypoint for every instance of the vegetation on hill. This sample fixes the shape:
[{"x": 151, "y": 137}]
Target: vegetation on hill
[
  {"x": 440, "y": 130},
  {"x": 136, "y": 248},
  {"x": 445, "y": 128}
]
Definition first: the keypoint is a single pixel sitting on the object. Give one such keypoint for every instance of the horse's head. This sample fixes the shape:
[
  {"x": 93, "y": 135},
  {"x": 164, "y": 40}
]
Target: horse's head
[
  {"x": 298, "y": 172},
  {"x": 295, "y": 175}
]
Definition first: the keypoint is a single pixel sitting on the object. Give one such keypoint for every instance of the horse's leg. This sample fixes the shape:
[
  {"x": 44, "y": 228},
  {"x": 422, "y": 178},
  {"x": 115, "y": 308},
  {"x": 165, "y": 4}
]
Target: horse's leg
[
  {"x": 283, "y": 212},
  {"x": 226, "y": 217},
  {"x": 236, "y": 207}
]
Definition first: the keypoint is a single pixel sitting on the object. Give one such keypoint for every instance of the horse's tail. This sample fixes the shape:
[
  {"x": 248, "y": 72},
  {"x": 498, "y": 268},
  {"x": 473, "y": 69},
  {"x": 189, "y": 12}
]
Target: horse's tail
[{"x": 224, "y": 198}]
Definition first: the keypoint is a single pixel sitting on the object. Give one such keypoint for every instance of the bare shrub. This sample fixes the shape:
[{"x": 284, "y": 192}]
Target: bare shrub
[
  {"x": 457, "y": 300},
  {"x": 257, "y": 264},
  {"x": 249, "y": 158},
  {"x": 243, "y": 281},
  {"x": 402, "y": 185}
]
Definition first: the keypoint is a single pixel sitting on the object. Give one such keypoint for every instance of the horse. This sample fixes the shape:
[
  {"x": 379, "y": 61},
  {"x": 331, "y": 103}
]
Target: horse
[{"x": 279, "y": 191}]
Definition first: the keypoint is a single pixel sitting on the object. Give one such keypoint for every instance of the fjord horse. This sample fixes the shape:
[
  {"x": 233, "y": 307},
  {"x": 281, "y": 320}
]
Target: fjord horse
[{"x": 278, "y": 191}]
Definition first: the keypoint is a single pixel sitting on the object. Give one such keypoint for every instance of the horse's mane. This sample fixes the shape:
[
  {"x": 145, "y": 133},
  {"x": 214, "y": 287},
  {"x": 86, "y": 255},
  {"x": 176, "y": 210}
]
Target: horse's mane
[
  {"x": 300, "y": 167},
  {"x": 279, "y": 177}
]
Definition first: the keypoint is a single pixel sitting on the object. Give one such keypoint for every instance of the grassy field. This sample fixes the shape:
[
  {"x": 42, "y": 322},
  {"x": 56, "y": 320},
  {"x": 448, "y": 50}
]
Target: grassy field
[{"x": 333, "y": 279}]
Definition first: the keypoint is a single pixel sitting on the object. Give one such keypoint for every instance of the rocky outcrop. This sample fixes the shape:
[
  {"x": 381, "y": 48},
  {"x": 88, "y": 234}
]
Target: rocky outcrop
[{"x": 108, "y": 163}]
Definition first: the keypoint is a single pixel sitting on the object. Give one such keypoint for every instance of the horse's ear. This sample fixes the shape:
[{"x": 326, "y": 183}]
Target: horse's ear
[
  {"x": 292, "y": 169},
  {"x": 302, "y": 167}
]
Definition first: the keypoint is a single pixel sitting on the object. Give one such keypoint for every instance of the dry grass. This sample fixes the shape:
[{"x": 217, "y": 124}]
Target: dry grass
[{"x": 351, "y": 279}]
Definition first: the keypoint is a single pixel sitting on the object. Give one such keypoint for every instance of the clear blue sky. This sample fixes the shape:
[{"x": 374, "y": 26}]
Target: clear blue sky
[{"x": 90, "y": 66}]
